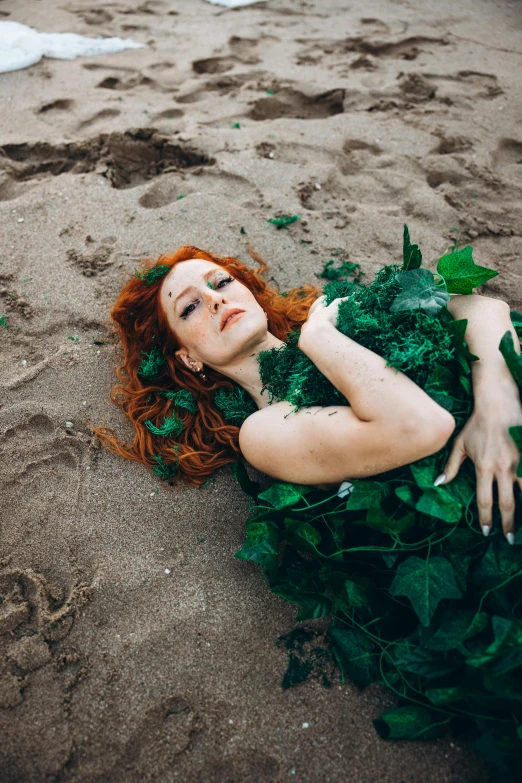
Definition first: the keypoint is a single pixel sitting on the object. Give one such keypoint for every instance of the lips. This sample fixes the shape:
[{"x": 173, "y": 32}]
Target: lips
[{"x": 229, "y": 315}]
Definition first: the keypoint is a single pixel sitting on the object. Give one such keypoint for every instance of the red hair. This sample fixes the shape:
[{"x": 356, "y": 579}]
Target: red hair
[{"x": 207, "y": 441}]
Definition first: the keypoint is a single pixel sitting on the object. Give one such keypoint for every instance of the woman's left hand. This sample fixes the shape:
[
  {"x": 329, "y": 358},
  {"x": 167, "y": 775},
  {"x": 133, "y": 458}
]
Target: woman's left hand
[{"x": 486, "y": 440}]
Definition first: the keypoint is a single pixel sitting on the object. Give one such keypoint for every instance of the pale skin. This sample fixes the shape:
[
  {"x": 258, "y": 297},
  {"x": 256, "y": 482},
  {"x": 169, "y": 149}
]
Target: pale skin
[{"x": 196, "y": 321}]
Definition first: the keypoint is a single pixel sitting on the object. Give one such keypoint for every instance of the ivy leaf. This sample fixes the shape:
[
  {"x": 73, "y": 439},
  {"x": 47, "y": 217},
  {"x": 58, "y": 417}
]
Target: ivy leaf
[
  {"x": 439, "y": 504},
  {"x": 412, "y": 256},
  {"x": 303, "y": 535},
  {"x": 419, "y": 292},
  {"x": 250, "y": 488},
  {"x": 512, "y": 358},
  {"x": 353, "y": 651},
  {"x": 516, "y": 434},
  {"x": 280, "y": 495},
  {"x": 261, "y": 543},
  {"x": 314, "y": 608},
  {"x": 407, "y": 723},
  {"x": 461, "y": 273},
  {"x": 457, "y": 330},
  {"x": 378, "y": 519},
  {"x": 455, "y": 628},
  {"x": 364, "y": 494},
  {"x": 425, "y": 583},
  {"x": 439, "y": 385},
  {"x": 406, "y": 494},
  {"x": 505, "y": 652}
]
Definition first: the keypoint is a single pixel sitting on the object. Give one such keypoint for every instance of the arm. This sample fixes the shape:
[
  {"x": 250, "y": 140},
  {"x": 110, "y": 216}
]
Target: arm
[
  {"x": 373, "y": 390},
  {"x": 488, "y": 320},
  {"x": 485, "y": 436}
]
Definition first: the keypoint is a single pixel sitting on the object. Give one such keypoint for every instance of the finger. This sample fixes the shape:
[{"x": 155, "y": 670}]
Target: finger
[
  {"x": 456, "y": 458},
  {"x": 484, "y": 498},
  {"x": 506, "y": 502}
]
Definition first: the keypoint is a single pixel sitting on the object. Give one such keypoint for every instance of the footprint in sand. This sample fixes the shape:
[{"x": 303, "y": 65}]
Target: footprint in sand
[
  {"x": 126, "y": 159},
  {"x": 508, "y": 154},
  {"x": 103, "y": 114},
  {"x": 292, "y": 103},
  {"x": 59, "y": 105},
  {"x": 222, "y": 185}
]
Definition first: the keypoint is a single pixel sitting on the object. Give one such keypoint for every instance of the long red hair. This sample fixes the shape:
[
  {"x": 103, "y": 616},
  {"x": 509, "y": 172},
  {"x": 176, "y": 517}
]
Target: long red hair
[{"x": 207, "y": 441}]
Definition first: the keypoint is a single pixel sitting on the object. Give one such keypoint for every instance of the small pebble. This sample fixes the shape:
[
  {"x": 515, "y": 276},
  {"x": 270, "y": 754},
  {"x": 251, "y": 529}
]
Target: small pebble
[
  {"x": 69, "y": 424},
  {"x": 20, "y": 220},
  {"x": 24, "y": 362},
  {"x": 84, "y": 402},
  {"x": 167, "y": 570},
  {"x": 305, "y": 725},
  {"x": 270, "y": 154},
  {"x": 230, "y": 720},
  {"x": 317, "y": 186},
  {"x": 152, "y": 494},
  {"x": 97, "y": 353}
]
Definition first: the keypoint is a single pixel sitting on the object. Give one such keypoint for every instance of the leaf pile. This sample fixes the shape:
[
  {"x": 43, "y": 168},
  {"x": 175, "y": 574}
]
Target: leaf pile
[{"x": 419, "y": 599}]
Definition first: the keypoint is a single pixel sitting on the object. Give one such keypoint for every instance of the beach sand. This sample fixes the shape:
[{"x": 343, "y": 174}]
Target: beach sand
[{"x": 133, "y": 645}]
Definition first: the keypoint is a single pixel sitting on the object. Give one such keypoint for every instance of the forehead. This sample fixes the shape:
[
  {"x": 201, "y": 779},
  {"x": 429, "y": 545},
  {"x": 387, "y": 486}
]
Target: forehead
[{"x": 188, "y": 273}]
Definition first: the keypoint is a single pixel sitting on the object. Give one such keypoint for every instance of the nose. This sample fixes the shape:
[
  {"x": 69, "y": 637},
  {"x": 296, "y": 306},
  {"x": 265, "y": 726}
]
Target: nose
[{"x": 216, "y": 299}]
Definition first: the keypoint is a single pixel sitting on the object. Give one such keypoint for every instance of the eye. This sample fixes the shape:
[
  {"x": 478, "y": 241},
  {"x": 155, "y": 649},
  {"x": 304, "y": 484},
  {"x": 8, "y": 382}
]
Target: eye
[{"x": 186, "y": 312}]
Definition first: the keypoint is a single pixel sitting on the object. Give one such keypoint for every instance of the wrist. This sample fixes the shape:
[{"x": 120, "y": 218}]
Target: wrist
[
  {"x": 314, "y": 335},
  {"x": 492, "y": 380}
]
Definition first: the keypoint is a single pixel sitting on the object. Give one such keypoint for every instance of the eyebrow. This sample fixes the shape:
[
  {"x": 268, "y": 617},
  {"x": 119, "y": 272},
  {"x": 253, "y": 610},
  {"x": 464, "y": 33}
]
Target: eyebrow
[{"x": 186, "y": 290}]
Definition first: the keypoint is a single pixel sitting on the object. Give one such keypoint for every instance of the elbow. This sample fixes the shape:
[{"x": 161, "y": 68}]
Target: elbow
[
  {"x": 437, "y": 430},
  {"x": 430, "y": 430}
]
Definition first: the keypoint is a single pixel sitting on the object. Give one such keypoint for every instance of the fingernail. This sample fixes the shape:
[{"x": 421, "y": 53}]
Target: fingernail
[
  {"x": 486, "y": 529},
  {"x": 511, "y": 538},
  {"x": 439, "y": 480}
]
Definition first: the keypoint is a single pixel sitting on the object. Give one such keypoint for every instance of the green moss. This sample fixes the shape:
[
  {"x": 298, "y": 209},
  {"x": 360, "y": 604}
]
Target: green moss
[{"x": 236, "y": 404}]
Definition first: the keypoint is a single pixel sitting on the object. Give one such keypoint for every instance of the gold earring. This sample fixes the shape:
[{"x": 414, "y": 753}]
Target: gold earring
[{"x": 202, "y": 375}]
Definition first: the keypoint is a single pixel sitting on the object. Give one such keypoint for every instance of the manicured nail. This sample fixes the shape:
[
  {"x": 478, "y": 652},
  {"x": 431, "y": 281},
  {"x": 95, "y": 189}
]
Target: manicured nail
[
  {"x": 511, "y": 538},
  {"x": 345, "y": 489},
  {"x": 486, "y": 529},
  {"x": 439, "y": 480}
]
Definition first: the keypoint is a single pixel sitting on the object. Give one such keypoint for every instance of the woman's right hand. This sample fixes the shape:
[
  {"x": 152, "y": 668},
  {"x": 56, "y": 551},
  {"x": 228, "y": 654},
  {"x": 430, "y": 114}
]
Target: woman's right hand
[{"x": 320, "y": 317}]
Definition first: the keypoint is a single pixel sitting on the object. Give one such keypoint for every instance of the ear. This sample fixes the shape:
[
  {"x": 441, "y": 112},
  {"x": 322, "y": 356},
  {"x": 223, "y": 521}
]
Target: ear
[{"x": 183, "y": 357}]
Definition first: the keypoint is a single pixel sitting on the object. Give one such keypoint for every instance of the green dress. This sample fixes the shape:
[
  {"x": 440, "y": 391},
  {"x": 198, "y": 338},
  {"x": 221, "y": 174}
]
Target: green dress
[{"x": 419, "y": 599}]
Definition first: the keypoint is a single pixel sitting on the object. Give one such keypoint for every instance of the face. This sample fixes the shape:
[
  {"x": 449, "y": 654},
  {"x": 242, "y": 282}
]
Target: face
[{"x": 215, "y": 318}]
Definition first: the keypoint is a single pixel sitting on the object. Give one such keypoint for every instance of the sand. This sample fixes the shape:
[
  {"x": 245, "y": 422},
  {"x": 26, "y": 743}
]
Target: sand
[{"x": 133, "y": 645}]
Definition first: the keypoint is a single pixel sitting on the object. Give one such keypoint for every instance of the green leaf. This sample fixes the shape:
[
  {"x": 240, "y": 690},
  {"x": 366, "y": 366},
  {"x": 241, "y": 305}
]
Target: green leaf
[
  {"x": 314, "y": 608},
  {"x": 512, "y": 358},
  {"x": 407, "y": 723},
  {"x": 425, "y": 583},
  {"x": 411, "y": 658},
  {"x": 3, "y": 321},
  {"x": 455, "y": 628},
  {"x": 303, "y": 535},
  {"x": 284, "y": 221},
  {"x": 505, "y": 652},
  {"x": 379, "y": 520},
  {"x": 261, "y": 543},
  {"x": 353, "y": 651},
  {"x": 412, "y": 256},
  {"x": 280, "y": 495},
  {"x": 500, "y": 562},
  {"x": 250, "y": 488},
  {"x": 419, "y": 292},
  {"x": 406, "y": 494},
  {"x": 516, "y": 433},
  {"x": 461, "y": 273},
  {"x": 439, "y": 386},
  {"x": 439, "y": 504},
  {"x": 364, "y": 494}
]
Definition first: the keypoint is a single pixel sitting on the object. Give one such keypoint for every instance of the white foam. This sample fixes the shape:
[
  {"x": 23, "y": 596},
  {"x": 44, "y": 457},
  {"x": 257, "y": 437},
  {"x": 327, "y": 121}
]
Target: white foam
[{"x": 22, "y": 46}]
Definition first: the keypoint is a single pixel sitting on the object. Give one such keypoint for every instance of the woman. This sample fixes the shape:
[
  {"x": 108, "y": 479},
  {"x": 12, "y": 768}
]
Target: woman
[{"x": 201, "y": 322}]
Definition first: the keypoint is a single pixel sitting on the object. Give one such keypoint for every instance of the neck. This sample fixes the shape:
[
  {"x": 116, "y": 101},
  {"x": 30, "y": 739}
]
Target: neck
[{"x": 245, "y": 370}]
